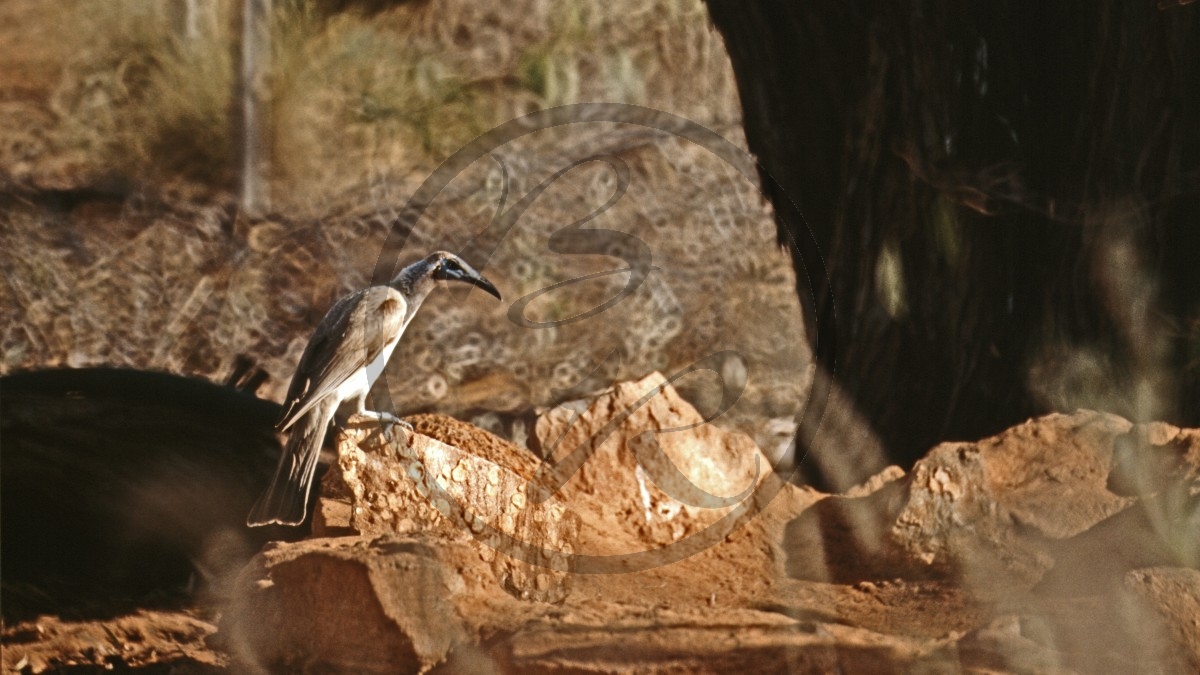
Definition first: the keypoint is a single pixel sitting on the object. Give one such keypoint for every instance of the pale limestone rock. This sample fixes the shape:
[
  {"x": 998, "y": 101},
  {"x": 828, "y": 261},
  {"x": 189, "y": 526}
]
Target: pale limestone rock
[
  {"x": 656, "y": 471},
  {"x": 984, "y": 511},
  {"x": 402, "y": 483},
  {"x": 1169, "y": 600}
]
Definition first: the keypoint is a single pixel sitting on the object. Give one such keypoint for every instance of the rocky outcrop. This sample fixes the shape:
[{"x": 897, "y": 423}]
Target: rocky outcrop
[
  {"x": 399, "y": 484},
  {"x": 642, "y": 468},
  {"x": 1086, "y": 527},
  {"x": 467, "y": 532},
  {"x": 1168, "y": 600},
  {"x": 356, "y": 604},
  {"x": 1003, "y": 512},
  {"x": 147, "y": 639},
  {"x": 1067, "y": 544}
]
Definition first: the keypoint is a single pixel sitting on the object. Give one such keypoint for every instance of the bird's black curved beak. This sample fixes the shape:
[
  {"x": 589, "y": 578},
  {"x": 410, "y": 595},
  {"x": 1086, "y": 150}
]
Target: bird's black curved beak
[
  {"x": 468, "y": 275},
  {"x": 477, "y": 279}
]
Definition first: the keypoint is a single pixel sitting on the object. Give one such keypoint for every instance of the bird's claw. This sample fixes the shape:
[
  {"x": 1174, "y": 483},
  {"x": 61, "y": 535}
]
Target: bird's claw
[
  {"x": 393, "y": 421},
  {"x": 386, "y": 418}
]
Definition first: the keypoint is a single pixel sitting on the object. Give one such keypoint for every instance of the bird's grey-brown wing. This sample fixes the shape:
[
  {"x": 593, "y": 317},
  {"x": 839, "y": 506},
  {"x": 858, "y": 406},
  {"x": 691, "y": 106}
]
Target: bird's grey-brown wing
[{"x": 353, "y": 332}]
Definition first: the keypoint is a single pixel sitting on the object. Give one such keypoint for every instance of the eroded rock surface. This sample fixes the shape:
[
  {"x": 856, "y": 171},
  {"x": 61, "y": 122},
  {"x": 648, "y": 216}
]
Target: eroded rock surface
[
  {"x": 1067, "y": 544},
  {"x": 357, "y": 604},
  {"x": 1000, "y": 512},
  {"x": 172, "y": 641},
  {"x": 1169, "y": 599},
  {"x": 650, "y": 471},
  {"x": 407, "y": 513}
]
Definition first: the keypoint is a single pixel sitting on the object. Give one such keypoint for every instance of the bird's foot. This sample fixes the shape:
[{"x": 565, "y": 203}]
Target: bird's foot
[{"x": 385, "y": 418}]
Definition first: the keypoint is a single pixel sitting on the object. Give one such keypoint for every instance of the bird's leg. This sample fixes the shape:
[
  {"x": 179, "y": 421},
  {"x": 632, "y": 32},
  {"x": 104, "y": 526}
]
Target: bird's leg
[
  {"x": 382, "y": 417},
  {"x": 385, "y": 418}
]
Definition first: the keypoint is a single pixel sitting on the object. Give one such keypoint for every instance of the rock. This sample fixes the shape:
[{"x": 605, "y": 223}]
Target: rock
[
  {"x": 158, "y": 641},
  {"x": 394, "y": 603},
  {"x": 406, "y": 575},
  {"x": 416, "y": 509},
  {"x": 1048, "y": 474},
  {"x": 356, "y": 604},
  {"x": 394, "y": 483},
  {"x": 875, "y": 483},
  {"x": 642, "y": 468},
  {"x": 1000, "y": 646},
  {"x": 840, "y": 539},
  {"x": 1045, "y": 521},
  {"x": 738, "y": 642},
  {"x": 434, "y": 537},
  {"x": 402, "y": 583},
  {"x": 844, "y": 539},
  {"x": 984, "y": 510},
  {"x": 1146, "y": 623},
  {"x": 1169, "y": 599},
  {"x": 1157, "y": 456},
  {"x": 980, "y": 508},
  {"x": 942, "y": 558},
  {"x": 1157, "y": 531}
]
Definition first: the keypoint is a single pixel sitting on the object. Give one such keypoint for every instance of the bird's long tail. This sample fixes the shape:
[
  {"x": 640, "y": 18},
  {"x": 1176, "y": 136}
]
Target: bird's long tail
[{"x": 285, "y": 500}]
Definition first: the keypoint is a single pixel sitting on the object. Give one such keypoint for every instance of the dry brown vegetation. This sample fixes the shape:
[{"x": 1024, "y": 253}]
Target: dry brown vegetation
[{"x": 364, "y": 105}]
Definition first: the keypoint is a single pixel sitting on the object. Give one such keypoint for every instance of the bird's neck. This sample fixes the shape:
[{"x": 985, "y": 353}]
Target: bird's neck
[
  {"x": 417, "y": 294},
  {"x": 414, "y": 283}
]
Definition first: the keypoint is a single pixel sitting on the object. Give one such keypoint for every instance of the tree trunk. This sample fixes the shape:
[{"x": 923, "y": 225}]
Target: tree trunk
[{"x": 1006, "y": 196}]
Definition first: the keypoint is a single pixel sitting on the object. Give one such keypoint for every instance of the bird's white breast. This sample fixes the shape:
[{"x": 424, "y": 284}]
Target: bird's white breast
[
  {"x": 358, "y": 384},
  {"x": 375, "y": 368}
]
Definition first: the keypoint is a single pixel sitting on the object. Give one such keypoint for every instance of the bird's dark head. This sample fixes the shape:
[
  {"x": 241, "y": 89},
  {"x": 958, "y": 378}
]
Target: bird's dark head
[{"x": 449, "y": 267}]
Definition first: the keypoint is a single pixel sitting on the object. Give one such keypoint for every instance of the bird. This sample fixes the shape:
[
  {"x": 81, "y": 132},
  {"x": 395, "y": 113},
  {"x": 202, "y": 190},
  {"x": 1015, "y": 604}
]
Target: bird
[{"x": 343, "y": 358}]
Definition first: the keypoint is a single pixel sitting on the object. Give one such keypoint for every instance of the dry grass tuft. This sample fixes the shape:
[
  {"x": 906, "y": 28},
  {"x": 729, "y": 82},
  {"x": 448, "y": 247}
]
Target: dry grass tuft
[{"x": 145, "y": 101}]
